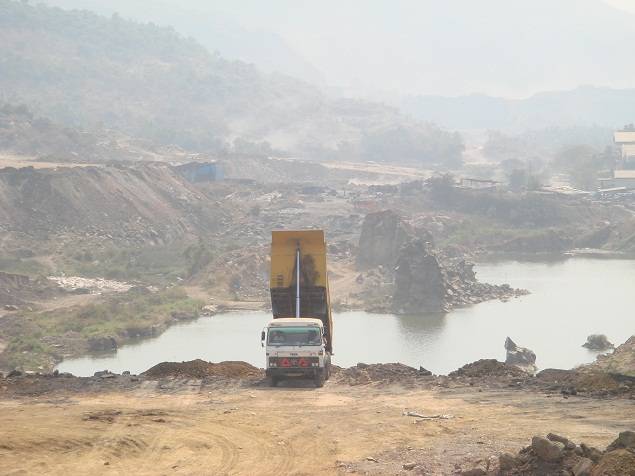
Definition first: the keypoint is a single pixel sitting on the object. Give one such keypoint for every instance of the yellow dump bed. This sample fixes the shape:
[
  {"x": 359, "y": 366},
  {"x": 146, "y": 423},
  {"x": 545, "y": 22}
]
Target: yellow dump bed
[{"x": 314, "y": 288}]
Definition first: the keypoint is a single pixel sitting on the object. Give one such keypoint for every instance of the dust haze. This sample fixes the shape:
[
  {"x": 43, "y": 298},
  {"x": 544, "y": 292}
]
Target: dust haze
[{"x": 299, "y": 237}]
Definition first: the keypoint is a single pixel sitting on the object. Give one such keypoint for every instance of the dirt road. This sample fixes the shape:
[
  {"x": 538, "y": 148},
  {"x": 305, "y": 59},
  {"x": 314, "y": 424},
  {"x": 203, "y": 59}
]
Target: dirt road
[{"x": 179, "y": 427}]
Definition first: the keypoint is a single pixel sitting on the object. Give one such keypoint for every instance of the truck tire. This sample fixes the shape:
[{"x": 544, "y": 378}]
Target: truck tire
[
  {"x": 319, "y": 378},
  {"x": 328, "y": 372},
  {"x": 274, "y": 381}
]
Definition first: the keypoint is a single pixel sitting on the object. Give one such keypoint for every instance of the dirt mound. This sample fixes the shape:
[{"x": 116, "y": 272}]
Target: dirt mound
[
  {"x": 16, "y": 289},
  {"x": 588, "y": 381},
  {"x": 621, "y": 361},
  {"x": 370, "y": 373},
  {"x": 488, "y": 368},
  {"x": 201, "y": 369},
  {"x": 145, "y": 203}
]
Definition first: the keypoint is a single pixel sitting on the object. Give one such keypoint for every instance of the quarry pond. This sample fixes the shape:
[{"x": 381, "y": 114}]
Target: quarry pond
[{"x": 569, "y": 300}]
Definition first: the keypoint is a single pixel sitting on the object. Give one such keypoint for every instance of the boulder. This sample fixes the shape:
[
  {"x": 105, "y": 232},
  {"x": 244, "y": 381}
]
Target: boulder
[
  {"x": 590, "y": 452},
  {"x": 507, "y": 461},
  {"x": 625, "y": 439},
  {"x": 598, "y": 342},
  {"x": 104, "y": 374},
  {"x": 520, "y": 356},
  {"x": 102, "y": 344},
  {"x": 546, "y": 450},
  {"x": 583, "y": 467}
]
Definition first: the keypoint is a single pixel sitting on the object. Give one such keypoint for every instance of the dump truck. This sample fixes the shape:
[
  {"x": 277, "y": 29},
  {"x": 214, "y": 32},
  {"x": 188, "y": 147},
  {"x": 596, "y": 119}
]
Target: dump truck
[{"x": 299, "y": 338}]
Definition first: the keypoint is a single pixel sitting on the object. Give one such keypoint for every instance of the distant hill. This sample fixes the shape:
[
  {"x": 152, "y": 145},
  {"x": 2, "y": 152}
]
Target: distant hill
[
  {"x": 217, "y": 32},
  {"x": 24, "y": 134},
  {"x": 84, "y": 70},
  {"x": 583, "y": 106}
]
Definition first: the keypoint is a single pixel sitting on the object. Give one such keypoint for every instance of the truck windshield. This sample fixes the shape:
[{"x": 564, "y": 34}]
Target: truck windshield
[{"x": 294, "y": 336}]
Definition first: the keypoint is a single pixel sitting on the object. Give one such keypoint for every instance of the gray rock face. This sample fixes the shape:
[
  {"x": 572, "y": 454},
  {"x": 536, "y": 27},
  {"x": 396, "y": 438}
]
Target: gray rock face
[
  {"x": 598, "y": 342},
  {"x": 546, "y": 450},
  {"x": 383, "y": 235},
  {"x": 413, "y": 277},
  {"x": 520, "y": 356},
  {"x": 419, "y": 280}
]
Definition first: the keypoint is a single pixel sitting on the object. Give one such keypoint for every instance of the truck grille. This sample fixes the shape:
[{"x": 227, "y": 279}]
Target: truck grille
[{"x": 293, "y": 362}]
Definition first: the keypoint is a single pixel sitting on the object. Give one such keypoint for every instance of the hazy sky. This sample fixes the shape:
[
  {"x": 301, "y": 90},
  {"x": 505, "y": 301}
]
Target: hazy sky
[
  {"x": 626, "y": 5},
  {"x": 510, "y": 48}
]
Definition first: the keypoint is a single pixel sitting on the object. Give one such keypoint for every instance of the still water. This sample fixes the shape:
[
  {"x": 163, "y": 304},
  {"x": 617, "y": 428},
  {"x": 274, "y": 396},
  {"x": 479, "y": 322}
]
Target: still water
[{"x": 569, "y": 300}]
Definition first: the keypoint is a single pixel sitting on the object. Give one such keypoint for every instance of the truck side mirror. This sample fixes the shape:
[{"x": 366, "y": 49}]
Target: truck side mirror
[{"x": 262, "y": 336}]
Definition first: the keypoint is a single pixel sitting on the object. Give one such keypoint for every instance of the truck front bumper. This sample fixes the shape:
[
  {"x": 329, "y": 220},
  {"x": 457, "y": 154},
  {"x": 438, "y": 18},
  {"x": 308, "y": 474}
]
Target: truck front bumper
[{"x": 292, "y": 372}]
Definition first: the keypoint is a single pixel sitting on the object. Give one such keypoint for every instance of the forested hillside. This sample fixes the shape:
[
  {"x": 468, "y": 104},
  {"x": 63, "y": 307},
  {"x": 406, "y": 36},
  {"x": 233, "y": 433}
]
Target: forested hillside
[{"x": 87, "y": 71}]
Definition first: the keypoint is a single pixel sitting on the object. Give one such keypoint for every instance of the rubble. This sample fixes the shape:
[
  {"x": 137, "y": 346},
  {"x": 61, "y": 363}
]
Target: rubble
[
  {"x": 555, "y": 456},
  {"x": 598, "y": 342},
  {"x": 521, "y": 357},
  {"x": 620, "y": 361},
  {"x": 93, "y": 285}
]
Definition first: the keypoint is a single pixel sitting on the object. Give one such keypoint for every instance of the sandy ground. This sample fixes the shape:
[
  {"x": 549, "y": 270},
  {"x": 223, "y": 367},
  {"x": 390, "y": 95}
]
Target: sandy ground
[
  {"x": 183, "y": 428},
  {"x": 18, "y": 161}
]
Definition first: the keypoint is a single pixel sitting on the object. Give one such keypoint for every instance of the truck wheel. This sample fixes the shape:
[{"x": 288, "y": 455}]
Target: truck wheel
[
  {"x": 274, "y": 381},
  {"x": 328, "y": 371},
  {"x": 319, "y": 379}
]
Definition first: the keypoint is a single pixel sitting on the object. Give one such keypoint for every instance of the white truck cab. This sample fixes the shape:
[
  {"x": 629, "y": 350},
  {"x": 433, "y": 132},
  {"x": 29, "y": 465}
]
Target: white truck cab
[{"x": 296, "y": 347}]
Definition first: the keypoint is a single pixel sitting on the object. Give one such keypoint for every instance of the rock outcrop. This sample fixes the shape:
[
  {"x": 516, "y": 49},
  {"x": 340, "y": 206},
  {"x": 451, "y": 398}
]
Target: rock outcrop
[
  {"x": 102, "y": 344},
  {"x": 598, "y": 342},
  {"x": 420, "y": 284},
  {"x": 383, "y": 235},
  {"x": 424, "y": 279},
  {"x": 520, "y": 356}
]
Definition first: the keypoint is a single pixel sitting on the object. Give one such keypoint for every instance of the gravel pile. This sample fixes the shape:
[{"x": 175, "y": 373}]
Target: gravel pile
[
  {"x": 488, "y": 368},
  {"x": 201, "y": 369}
]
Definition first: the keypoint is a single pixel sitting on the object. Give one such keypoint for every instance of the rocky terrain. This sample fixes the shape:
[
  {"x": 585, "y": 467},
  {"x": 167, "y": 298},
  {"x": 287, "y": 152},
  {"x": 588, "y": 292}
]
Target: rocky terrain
[
  {"x": 376, "y": 419},
  {"x": 145, "y": 224},
  {"x": 419, "y": 277},
  {"x": 556, "y": 455},
  {"x": 620, "y": 361}
]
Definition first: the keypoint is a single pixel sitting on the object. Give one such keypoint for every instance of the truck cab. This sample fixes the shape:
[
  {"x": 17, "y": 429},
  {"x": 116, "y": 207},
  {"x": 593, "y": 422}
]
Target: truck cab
[{"x": 296, "y": 347}]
